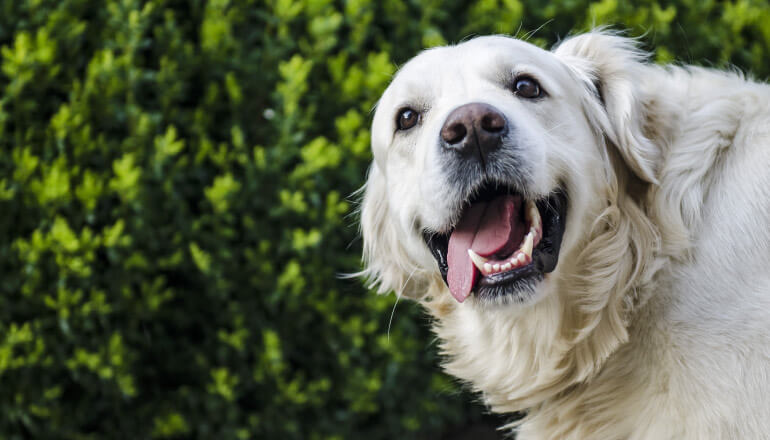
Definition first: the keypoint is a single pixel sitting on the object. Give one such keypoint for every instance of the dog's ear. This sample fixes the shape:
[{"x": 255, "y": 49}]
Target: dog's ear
[
  {"x": 387, "y": 264},
  {"x": 611, "y": 67}
]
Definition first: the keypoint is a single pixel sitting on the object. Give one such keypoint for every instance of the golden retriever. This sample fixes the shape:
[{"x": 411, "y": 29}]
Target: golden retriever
[{"x": 590, "y": 231}]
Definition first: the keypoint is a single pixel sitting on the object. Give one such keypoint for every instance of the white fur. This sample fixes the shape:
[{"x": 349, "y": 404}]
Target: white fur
[{"x": 656, "y": 322}]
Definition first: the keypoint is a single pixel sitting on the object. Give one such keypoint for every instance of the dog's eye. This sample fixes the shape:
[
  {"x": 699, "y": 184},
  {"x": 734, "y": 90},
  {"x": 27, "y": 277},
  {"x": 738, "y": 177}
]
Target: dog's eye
[
  {"x": 527, "y": 87},
  {"x": 407, "y": 118}
]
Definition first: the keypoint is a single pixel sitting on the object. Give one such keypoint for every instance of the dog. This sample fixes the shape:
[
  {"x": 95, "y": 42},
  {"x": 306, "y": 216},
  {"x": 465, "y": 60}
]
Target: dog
[{"x": 590, "y": 233}]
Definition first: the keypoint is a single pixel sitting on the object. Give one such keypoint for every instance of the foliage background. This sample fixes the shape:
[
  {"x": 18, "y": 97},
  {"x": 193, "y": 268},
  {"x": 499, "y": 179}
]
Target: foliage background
[{"x": 175, "y": 181}]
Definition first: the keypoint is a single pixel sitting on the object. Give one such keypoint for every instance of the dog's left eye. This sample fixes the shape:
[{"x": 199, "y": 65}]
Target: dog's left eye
[
  {"x": 407, "y": 118},
  {"x": 527, "y": 87}
]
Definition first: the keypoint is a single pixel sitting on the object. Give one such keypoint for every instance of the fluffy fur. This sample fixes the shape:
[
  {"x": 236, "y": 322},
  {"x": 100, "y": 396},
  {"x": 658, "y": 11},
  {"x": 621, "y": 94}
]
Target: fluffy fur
[{"x": 656, "y": 322}]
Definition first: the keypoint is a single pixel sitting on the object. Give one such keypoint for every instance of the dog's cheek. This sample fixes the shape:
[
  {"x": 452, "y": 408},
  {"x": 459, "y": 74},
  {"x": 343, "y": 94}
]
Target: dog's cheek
[{"x": 386, "y": 261}]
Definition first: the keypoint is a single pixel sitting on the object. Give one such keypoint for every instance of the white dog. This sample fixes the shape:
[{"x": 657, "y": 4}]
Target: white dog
[{"x": 591, "y": 233}]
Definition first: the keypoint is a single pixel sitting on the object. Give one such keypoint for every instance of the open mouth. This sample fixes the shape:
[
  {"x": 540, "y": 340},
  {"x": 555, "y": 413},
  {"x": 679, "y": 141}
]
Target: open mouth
[{"x": 502, "y": 245}]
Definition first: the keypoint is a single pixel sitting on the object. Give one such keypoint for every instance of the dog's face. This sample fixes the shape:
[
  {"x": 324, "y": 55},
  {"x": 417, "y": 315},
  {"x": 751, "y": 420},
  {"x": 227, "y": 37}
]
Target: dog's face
[{"x": 489, "y": 164}]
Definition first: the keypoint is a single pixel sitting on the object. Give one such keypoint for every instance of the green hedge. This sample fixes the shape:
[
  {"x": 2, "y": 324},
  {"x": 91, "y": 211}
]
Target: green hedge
[{"x": 175, "y": 207}]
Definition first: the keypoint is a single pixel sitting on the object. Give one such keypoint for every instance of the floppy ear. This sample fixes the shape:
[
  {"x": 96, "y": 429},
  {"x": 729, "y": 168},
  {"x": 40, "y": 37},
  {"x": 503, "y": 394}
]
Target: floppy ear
[
  {"x": 613, "y": 66},
  {"x": 387, "y": 264}
]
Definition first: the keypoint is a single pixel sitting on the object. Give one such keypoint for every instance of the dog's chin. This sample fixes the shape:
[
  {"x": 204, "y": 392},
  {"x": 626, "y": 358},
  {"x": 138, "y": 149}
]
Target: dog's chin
[
  {"x": 509, "y": 288},
  {"x": 523, "y": 283}
]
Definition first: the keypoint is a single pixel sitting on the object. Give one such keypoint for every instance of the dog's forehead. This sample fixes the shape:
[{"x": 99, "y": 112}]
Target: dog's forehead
[{"x": 491, "y": 56}]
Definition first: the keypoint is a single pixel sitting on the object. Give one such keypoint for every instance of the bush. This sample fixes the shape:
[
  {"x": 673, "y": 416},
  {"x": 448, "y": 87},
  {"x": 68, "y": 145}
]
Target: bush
[{"x": 175, "y": 181}]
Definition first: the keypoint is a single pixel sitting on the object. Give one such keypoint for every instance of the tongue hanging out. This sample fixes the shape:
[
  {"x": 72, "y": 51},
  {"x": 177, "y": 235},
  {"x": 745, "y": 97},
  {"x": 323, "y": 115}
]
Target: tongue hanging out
[{"x": 492, "y": 236}]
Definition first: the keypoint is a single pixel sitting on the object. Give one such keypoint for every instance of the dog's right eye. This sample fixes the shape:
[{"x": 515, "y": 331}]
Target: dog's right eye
[{"x": 407, "y": 118}]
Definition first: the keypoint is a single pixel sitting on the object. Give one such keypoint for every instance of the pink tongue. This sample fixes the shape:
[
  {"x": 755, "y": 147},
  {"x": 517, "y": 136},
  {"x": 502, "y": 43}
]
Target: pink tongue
[{"x": 487, "y": 228}]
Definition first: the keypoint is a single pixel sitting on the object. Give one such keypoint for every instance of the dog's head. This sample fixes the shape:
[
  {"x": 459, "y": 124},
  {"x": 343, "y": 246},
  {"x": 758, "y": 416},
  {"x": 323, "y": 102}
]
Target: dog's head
[{"x": 490, "y": 159}]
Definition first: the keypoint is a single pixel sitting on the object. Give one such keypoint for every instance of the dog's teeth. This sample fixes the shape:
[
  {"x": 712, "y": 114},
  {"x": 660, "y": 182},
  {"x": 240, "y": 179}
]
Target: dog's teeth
[
  {"x": 535, "y": 215},
  {"x": 522, "y": 256},
  {"x": 526, "y": 248},
  {"x": 478, "y": 260},
  {"x": 532, "y": 214}
]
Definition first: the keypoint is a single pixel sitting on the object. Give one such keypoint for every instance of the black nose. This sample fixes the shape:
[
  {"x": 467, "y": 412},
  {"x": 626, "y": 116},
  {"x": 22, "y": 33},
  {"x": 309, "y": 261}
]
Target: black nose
[{"x": 474, "y": 129}]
